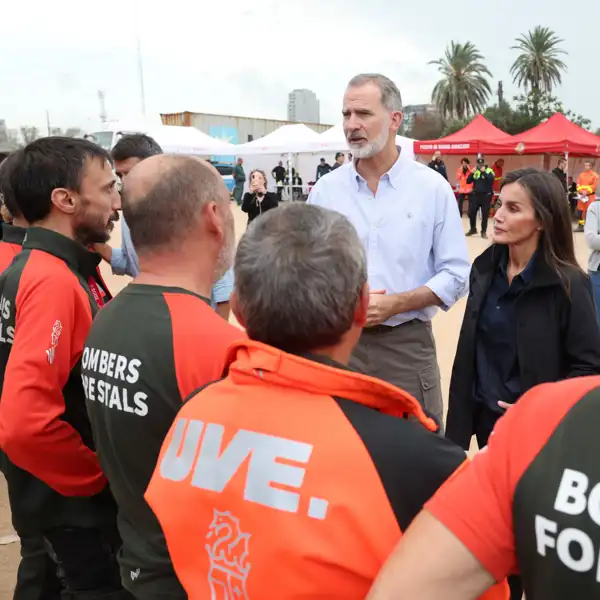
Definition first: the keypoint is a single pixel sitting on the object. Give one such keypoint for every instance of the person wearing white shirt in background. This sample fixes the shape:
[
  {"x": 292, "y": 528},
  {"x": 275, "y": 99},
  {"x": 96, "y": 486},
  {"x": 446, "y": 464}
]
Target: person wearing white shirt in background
[{"x": 405, "y": 215}]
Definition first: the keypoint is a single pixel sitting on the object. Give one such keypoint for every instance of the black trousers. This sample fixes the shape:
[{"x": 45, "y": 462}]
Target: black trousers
[
  {"x": 37, "y": 578},
  {"x": 461, "y": 202},
  {"x": 477, "y": 201},
  {"x": 86, "y": 561},
  {"x": 484, "y": 421},
  {"x": 71, "y": 563}
]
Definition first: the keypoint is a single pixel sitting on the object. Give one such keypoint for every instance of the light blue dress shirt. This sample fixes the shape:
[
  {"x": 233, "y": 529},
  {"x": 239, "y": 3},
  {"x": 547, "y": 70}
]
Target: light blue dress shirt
[
  {"x": 411, "y": 230},
  {"x": 124, "y": 261}
]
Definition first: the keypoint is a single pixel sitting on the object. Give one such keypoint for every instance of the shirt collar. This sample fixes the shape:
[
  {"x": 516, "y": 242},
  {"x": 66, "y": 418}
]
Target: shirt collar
[
  {"x": 13, "y": 234},
  {"x": 392, "y": 175},
  {"x": 77, "y": 257},
  {"x": 526, "y": 274}
]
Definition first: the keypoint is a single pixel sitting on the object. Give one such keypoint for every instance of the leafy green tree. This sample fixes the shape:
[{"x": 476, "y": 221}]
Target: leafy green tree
[{"x": 464, "y": 88}]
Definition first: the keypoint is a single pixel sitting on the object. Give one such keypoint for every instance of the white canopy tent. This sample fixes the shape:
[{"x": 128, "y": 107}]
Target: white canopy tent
[
  {"x": 172, "y": 139},
  {"x": 189, "y": 140},
  {"x": 288, "y": 139}
]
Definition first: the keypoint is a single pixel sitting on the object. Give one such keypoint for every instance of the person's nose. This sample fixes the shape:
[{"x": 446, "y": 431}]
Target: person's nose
[{"x": 116, "y": 201}]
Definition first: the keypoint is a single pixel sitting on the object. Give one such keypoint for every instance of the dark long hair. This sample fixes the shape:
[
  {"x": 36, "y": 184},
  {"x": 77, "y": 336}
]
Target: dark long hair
[{"x": 552, "y": 211}]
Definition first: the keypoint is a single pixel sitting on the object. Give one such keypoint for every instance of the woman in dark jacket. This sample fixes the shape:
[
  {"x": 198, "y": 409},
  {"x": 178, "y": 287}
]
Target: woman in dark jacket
[
  {"x": 258, "y": 200},
  {"x": 530, "y": 311}
]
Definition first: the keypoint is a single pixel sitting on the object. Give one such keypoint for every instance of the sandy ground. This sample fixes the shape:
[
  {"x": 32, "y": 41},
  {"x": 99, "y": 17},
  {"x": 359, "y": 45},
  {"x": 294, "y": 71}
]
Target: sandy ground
[{"x": 446, "y": 328}]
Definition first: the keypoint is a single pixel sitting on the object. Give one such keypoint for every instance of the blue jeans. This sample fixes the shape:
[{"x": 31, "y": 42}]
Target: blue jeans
[{"x": 595, "y": 277}]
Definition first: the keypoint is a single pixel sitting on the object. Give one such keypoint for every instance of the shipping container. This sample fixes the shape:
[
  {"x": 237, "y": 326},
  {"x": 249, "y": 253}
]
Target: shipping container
[{"x": 234, "y": 129}]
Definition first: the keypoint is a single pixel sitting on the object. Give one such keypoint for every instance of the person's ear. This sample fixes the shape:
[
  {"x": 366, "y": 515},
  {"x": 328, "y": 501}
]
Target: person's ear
[
  {"x": 397, "y": 118},
  {"x": 234, "y": 305},
  {"x": 362, "y": 307},
  {"x": 212, "y": 219},
  {"x": 63, "y": 200}
]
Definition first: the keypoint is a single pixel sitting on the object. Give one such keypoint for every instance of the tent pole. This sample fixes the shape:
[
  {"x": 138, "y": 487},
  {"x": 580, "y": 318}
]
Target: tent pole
[{"x": 290, "y": 177}]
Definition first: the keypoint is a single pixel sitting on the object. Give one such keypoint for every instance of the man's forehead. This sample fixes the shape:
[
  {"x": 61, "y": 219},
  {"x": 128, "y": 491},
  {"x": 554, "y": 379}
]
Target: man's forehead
[
  {"x": 362, "y": 96},
  {"x": 98, "y": 168}
]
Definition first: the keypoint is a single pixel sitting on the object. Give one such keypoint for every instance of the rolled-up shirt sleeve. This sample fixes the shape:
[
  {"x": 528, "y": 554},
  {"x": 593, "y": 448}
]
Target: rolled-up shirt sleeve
[
  {"x": 451, "y": 262},
  {"x": 124, "y": 260},
  {"x": 222, "y": 290},
  {"x": 118, "y": 262}
]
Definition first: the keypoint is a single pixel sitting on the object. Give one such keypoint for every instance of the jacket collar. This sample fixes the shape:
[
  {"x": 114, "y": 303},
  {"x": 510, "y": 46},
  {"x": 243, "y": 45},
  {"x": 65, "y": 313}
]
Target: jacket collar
[
  {"x": 13, "y": 234},
  {"x": 78, "y": 258},
  {"x": 539, "y": 273},
  {"x": 252, "y": 362}
]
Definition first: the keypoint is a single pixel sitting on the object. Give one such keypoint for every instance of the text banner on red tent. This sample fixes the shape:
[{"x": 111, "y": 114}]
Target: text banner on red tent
[{"x": 429, "y": 147}]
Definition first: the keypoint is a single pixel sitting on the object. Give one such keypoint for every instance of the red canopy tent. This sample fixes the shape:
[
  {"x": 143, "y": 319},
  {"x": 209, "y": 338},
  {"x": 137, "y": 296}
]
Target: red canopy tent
[
  {"x": 557, "y": 135},
  {"x": 476, "y": 137}
]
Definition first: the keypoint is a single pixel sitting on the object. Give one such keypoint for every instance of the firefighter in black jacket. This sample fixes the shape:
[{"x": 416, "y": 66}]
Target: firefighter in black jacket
[
  {"x": 482, "y": 179},
  {"x": 66, "y": 190}
]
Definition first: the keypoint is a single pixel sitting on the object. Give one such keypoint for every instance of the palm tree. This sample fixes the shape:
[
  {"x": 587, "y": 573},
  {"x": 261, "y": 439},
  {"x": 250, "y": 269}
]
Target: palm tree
[
  {"x": 538, "y": 67},
  {"x": 464, "y": 89}
]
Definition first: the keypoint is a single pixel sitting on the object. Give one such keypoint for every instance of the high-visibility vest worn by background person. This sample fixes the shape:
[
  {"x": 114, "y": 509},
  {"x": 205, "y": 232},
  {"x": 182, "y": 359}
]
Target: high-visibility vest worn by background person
[
  {"x": 11, "y": 244},
  {"x": 293, "y": 478},
  {"x": 146, "y": 352},
  {"x": 46, "y": 308},
  {"x": 588, "y": 182},
  {"x": 461, "y": 179}
]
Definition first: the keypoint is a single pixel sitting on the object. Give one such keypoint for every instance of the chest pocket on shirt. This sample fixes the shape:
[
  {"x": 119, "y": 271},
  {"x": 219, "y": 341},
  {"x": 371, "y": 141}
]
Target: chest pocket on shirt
[{"x": 403, "y": 232}]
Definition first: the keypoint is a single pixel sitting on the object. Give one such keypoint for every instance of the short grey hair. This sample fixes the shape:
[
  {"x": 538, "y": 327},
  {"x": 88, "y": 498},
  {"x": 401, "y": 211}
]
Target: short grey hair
[
  {"x": 390, "y": 94},
  {"x": 171, "y": 205},
  {"x": 299, "y": 275}
]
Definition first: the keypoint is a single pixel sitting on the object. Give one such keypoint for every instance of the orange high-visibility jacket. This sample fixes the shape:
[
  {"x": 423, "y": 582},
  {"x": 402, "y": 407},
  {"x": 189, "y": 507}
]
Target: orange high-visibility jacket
[
  {"x": 588, "y": 182},
  {"x": 461, "y": 179},
  {"x": 293, "y": 478}
]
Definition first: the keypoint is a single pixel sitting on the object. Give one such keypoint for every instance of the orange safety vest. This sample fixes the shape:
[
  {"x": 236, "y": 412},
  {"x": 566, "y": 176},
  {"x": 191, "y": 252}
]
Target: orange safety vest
[
  {"x": 265, "y": 490},
  {"x": 461, "y": 179},
  {"x": 588, "y": 182}
]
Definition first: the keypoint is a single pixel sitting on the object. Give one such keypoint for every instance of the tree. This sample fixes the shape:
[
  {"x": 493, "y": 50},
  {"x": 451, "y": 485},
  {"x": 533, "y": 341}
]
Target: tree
[
  {"x": 464, "y": 89},
  {"x": 530, "y": 110},
  {"x": 29, "y": 133},
  {"x": 538, "y": 68},
  {"x": 454, "y": 125},
  {"x": 426, "y": 126}
]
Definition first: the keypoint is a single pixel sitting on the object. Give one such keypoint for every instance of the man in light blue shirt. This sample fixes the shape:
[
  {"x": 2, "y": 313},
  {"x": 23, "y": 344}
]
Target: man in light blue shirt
[
  {"x": 128, "y": 152},
  {"x": 406, "y": 217}
]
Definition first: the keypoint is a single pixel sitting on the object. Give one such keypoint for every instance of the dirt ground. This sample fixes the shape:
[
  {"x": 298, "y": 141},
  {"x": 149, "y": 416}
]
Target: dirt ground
[{"x": 446, "y": 328}]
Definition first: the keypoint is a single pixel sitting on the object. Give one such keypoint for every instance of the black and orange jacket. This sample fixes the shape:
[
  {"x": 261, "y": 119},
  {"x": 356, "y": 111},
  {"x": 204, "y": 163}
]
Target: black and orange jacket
[
  {"x": 11, "y": 244},
  {"x": 46, "y": 309},
  {"x": 293, "y": 478},
  {"x": 529, "y": 502},
  {"x": 147, "y": 350}
]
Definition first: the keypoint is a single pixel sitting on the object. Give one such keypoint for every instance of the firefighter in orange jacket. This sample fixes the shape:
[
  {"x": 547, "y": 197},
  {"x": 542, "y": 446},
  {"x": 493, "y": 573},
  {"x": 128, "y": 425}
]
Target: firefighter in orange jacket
[
  {"x": 587, "y": 184},
  {"x": 294, "y": 476},
  {"x": 464, "y": 188}
]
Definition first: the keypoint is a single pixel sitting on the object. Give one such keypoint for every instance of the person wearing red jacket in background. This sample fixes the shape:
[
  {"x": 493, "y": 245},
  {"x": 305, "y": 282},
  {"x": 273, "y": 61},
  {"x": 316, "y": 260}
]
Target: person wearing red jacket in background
[
  {"x": 498, "y": 168},
  {"x": 65, "y": 190},
  {"x": 464, "y": 188}
]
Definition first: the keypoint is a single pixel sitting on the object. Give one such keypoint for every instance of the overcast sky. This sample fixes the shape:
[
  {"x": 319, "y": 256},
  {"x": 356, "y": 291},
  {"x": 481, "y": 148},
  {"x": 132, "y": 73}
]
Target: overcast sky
[{"x": 225, "y": 57}]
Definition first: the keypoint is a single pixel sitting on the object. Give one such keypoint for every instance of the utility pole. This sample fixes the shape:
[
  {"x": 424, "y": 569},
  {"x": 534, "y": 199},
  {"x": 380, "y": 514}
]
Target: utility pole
[
  {"x": 141, "y": 72},
  {"x": 500, "y": 93},
  {"x": 101, "y": 97},
  {"x": 48, "y": 123}
]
